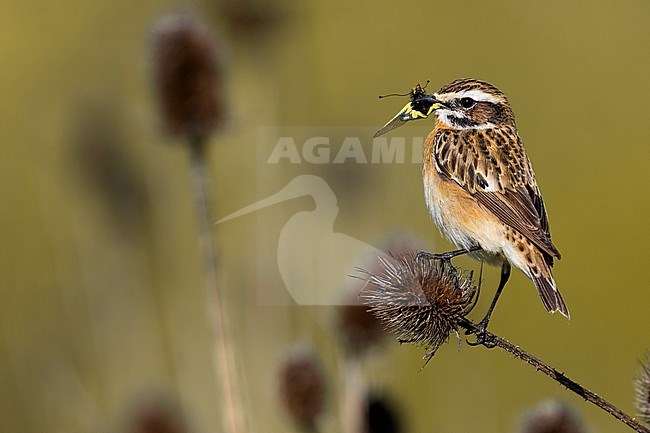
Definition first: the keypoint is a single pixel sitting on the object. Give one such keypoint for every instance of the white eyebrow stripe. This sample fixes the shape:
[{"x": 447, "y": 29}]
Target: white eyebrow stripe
[{"x": 477, "y": 95}]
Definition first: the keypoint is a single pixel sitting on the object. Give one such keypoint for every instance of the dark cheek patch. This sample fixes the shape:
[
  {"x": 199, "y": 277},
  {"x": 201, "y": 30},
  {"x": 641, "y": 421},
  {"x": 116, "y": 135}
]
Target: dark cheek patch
[{"x": 461, "y": 122}]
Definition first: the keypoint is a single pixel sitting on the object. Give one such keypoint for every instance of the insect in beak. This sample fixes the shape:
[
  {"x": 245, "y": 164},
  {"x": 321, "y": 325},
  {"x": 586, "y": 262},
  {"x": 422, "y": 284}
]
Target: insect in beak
[{"x": 420, "y": 107}]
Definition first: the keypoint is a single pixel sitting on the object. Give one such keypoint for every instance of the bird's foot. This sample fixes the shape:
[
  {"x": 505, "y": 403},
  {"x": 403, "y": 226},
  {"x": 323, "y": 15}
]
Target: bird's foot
[
  {"x": 446, "y": 257},
  {"x": 483, "y": 337}
]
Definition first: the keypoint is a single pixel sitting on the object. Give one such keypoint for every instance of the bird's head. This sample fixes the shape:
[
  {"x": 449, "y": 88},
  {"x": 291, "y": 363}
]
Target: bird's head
[{"x": 462, "y": 104}]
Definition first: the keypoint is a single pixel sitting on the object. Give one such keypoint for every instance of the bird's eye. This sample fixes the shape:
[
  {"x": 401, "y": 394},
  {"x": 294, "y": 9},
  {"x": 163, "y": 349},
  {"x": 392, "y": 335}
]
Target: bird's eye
[{"x": 467, "y": 102}]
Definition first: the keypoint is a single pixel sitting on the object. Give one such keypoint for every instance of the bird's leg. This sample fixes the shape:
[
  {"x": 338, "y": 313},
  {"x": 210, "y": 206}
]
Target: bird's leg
[
  {"x": 505, "y": 276},
  {"x": 482, "y": 325},
  {"x": 423, "y": 255},
  {"x": 478, "y": 287}
]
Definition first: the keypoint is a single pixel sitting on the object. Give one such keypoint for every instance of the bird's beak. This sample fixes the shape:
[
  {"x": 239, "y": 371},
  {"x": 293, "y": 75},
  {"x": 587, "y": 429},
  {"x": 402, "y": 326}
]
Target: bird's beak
[{"x": 419, "y": 108}]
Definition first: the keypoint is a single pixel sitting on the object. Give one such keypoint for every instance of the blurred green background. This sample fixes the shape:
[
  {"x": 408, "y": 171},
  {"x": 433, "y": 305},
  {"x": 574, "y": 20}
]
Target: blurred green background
[{"x": 101, "y": 298}]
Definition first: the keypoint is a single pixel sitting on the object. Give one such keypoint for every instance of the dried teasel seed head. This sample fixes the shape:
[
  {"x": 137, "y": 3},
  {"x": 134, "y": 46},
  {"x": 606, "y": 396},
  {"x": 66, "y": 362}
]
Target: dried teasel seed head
[
  {"x": 302, "y": 386},
  {"x": 187, "y": 76},
  {"x": 421, "y": 301},
  {"x": 551, "y": 417},
  {"x": 642, "y": 391}
]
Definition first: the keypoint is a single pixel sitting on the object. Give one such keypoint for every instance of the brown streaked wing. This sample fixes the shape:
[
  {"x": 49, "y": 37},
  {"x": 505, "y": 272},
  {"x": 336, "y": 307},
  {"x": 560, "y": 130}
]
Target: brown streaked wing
[{"x": 493, "y": 167}]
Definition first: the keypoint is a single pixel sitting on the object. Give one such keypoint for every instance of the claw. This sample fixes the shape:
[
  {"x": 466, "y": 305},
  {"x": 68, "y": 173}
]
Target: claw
[
  {"x": 424, "y": 255},
  {"x": 483, "y": 337}
]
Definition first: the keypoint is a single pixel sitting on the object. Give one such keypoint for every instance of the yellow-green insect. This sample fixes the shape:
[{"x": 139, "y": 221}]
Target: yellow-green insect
[{"x": 420, "y": 107}]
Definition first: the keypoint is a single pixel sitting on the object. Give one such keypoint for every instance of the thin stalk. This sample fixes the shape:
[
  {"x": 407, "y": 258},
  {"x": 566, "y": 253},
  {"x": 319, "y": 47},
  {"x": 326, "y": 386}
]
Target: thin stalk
[
  {"x": 222, "y": 350},
  {"x": 492, "y": 340},
  {"x": 354, "y": 395}
]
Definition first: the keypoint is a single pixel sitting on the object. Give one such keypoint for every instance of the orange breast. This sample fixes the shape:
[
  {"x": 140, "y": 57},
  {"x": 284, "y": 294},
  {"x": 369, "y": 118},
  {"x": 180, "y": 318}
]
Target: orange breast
[{"x": 458, "y": 215}]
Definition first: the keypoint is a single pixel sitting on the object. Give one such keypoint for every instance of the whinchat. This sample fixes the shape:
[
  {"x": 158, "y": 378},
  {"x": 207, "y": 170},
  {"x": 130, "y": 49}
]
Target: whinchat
[{"x": 479, "y": 184}]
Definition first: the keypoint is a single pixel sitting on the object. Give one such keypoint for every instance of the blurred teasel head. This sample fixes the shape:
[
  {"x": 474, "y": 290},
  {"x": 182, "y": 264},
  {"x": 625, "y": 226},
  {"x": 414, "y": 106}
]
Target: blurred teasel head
[
  {"x": 156, "y": 414},
  {"x": 302, "y": 387},
  {"x": 187, "y": 76},
  {"x": 359, "y": 329},
  {"x": 381, "y": 416},
  {"x": 551, "y": 417}
]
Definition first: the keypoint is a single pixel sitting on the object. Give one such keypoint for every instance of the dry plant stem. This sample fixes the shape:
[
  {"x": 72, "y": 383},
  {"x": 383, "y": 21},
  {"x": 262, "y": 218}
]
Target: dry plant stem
[
  {"x": 223, "y": 355},
  {"x": 551, "y": 372},
  {"x": 309, "y": 428},
  {"x": 353, "y": 401}
]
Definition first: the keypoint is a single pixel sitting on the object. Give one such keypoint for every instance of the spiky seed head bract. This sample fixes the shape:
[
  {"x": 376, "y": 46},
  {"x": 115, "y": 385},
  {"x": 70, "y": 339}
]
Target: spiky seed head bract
[
  {"x": 642, "y": 391},
  {"x": 421, "y": 301}
]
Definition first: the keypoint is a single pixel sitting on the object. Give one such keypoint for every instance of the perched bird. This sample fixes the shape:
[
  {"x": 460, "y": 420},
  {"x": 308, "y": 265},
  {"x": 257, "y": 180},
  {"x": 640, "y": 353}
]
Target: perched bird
[{"x": 479, "y": 184}]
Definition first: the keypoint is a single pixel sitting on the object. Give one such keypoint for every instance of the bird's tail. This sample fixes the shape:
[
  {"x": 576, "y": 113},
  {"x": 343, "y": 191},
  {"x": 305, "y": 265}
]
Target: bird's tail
[{"x": 547, "y": 289}]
